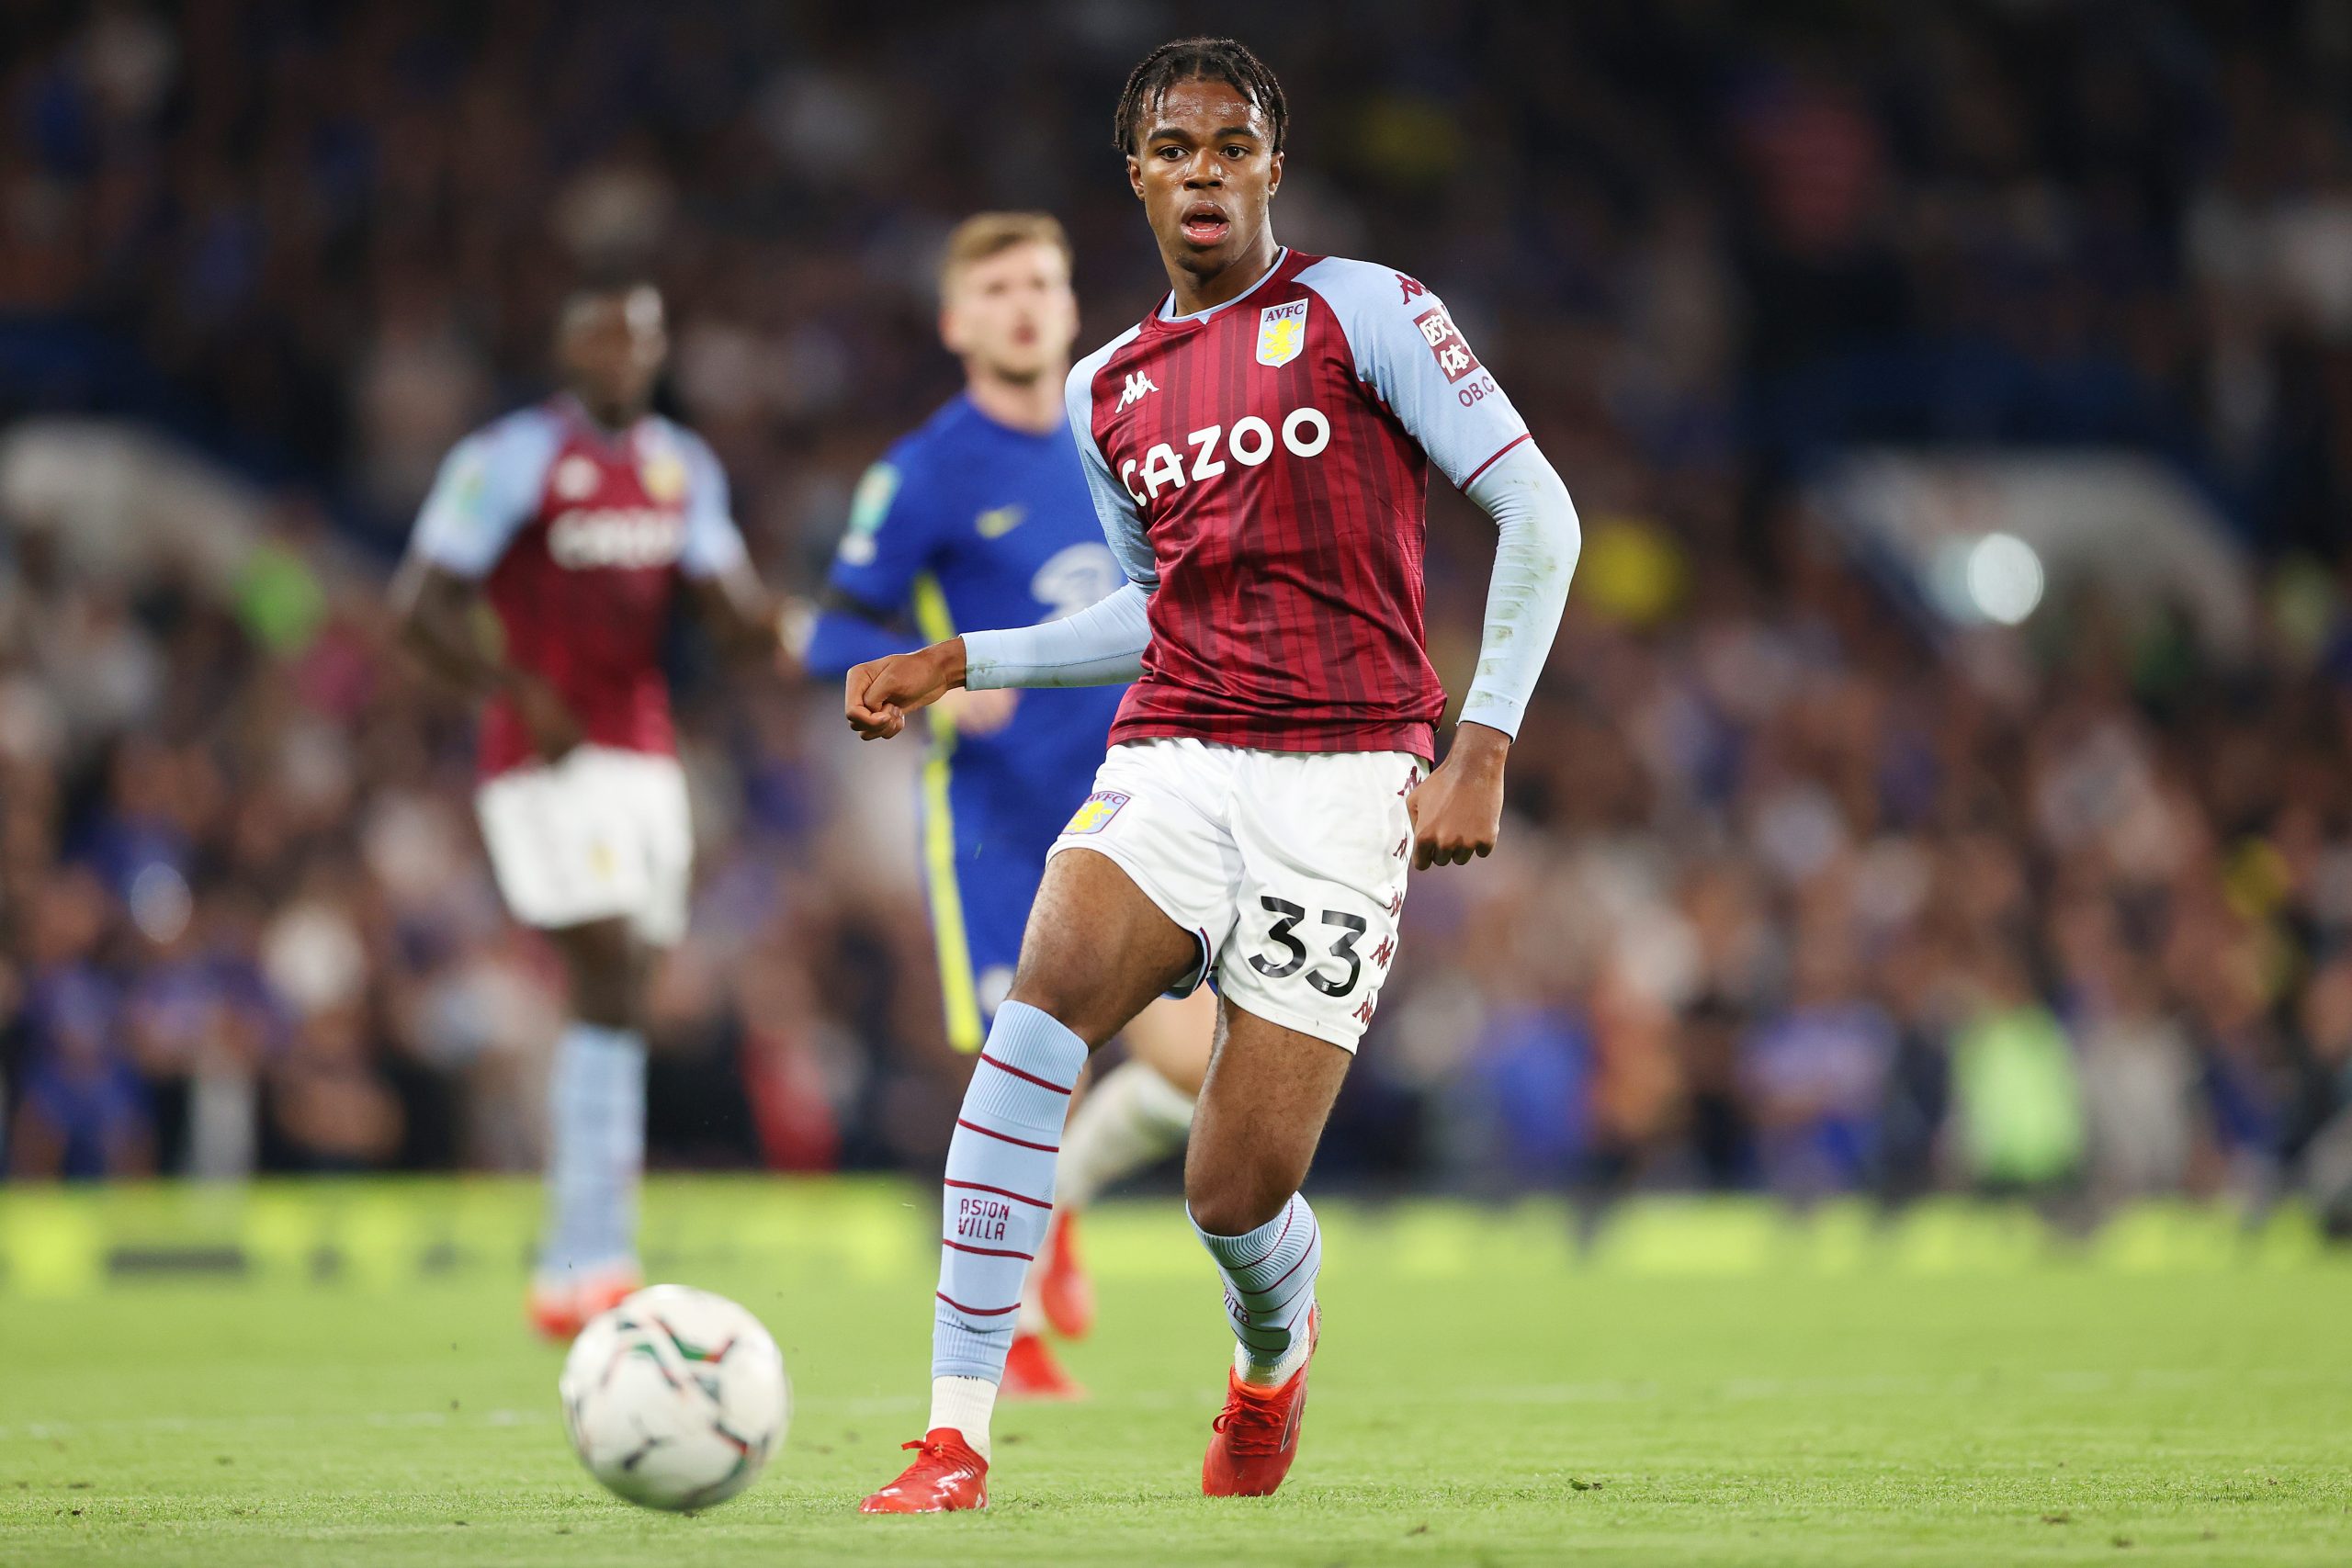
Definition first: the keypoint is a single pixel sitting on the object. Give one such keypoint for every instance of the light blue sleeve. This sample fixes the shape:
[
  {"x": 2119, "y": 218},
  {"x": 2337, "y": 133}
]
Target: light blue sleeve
[
  {"x": 488, "y": 488},
  {"x": 1410, "y": 351},
  {"x": 1537, "y": 541},
  {"x": 1121, "y": 520},
  {"x": 1099, "y": 646},
  {"x": 712, "y": 545}
]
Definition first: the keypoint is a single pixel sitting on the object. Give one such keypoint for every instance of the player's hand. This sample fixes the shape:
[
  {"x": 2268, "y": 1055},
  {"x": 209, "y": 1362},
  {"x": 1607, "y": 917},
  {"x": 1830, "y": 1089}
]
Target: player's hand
[
  {"x": 1458, "y": 810},
  {"x": 878, "y": 696},
  {"x": 546, "y": 718}
]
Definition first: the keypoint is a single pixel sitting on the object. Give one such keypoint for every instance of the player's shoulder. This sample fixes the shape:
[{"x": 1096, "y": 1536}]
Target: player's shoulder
[
  {"x": 1082, "y": 374},
  {"x": 535, "y": 428},
  {"x": 677, "y": 461},
  {"x": 1368, "y": 291},
  {"x": 510, "y": 457},
  {"x": 901, "y": 485},
  {"x": 685, "y": 442},
  {"x": 1077, "y": 392},
  {"x": 930, "y": 447}
]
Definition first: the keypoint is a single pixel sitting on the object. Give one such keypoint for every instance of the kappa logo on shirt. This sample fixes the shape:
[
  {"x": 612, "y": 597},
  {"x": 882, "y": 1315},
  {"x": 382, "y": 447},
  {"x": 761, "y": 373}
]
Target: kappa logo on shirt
[
  {"x": 1139, "y": 385},
  {"x": 576, "y": 478}
]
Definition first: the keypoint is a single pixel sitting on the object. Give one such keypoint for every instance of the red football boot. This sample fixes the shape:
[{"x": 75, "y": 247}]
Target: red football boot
[
  {"x": 1256, "y": 1435},
  {"x": 1031, "y": 1372},
  {"x": 946, "y": 1476},
  {"x": 1064, "y": 1291},
  {"x": 559, "y": 1309}
]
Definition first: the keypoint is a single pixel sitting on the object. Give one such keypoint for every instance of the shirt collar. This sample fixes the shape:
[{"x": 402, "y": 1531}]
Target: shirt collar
[{"x": 1167, "y": 311}]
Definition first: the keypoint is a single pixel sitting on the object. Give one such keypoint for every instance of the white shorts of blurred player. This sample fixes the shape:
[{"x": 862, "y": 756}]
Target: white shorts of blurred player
[
  {"x": 1288, "y": 865},
  {"x": 603, "y": 834}
]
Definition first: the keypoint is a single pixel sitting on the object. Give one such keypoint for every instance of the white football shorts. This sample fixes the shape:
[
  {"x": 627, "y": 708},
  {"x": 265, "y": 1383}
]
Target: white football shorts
[
  {"x": 603, "y": 834},
  {"x": 1289, "y": 866}
]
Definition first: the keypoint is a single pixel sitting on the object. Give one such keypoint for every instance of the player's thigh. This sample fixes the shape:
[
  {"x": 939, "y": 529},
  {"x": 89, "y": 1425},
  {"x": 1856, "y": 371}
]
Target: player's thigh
[
  {"x": 1173, "y": 1037},
  {"x": 1268, "y": 1092},
  {"x": 1138, "y": 889},
  {"x": 1098, "y": 949},
  {"x": 1325, "y": 841}
]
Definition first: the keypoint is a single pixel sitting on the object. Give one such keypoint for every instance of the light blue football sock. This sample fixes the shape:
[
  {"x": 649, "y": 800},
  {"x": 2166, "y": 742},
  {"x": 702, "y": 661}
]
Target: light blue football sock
[
  {"x": 1270, "y": 1288},
  {"x": 595, "y": 1150},
  {"x": 1000, "y": 1187}
]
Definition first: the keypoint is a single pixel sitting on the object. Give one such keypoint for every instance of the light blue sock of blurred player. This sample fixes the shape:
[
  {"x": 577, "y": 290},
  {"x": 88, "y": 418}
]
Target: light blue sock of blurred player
[{"x": 595, "y": 1153}]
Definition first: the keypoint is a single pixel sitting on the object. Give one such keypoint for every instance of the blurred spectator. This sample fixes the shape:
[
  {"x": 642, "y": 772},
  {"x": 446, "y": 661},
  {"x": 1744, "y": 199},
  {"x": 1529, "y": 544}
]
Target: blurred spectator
[{"x": 2015, "y": 1090}]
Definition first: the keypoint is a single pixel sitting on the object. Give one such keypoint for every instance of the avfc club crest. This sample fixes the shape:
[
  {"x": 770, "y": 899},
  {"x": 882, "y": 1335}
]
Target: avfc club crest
[
  {"x": 663, "y": 475},
  {"x": 1281, "y": 333},
  {"x": 1096, "y": 814}
]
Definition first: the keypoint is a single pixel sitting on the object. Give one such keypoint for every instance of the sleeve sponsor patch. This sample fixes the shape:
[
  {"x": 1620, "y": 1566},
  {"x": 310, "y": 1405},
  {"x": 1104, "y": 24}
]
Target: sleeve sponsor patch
[
  {"x": 1446, "y": 345},
  {"x": 871, "y": 501},
  {"x": 1096, "y": 814}
]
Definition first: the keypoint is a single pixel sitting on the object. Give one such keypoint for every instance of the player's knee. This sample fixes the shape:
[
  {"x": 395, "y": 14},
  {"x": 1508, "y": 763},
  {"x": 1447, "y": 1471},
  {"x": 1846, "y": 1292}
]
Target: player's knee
[
  {"x": 1067, "y": 994},
  {"x": 609, "y": 1005},
  {"x": 1234, "y": 1202},
  {"x": 1068, "y": 1007},
  {"x": 607, "y": 974}
]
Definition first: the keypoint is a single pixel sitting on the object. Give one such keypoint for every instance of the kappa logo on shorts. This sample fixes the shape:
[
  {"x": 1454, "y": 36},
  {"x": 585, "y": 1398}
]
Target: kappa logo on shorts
[{"x": 1096, "y": 814}]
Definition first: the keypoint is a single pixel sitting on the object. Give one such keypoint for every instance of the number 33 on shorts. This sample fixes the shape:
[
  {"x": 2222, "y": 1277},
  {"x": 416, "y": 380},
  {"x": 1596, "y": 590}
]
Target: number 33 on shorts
[
  {"x": 1290, "y": 865},
  {"x": 1286, "y": 917}
]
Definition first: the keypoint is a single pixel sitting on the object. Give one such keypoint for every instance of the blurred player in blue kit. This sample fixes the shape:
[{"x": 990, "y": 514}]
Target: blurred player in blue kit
[{"x": 982, "y": 518}]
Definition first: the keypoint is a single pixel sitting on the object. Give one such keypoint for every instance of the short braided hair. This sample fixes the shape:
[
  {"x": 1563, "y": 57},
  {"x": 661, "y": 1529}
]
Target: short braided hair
[{"x": 1198, "y": 60}]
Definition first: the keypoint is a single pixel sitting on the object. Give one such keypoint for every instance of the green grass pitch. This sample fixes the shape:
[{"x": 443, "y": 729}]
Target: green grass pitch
[{"x": 1703, "y": 1384}]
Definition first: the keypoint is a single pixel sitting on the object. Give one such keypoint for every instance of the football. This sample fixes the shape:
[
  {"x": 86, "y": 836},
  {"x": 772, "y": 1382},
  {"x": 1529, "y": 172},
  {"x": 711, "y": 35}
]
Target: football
[{"x": 676, "y": 1398}]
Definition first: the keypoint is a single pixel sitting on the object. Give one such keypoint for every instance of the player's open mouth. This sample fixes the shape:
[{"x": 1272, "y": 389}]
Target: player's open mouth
[{"x": 1203, "y": 224}]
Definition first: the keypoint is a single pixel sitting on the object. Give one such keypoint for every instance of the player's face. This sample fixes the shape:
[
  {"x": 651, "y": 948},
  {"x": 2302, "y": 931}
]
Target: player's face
[
  {"x": 1206, "y": 172},
  {"x": 1011, "y": 315},
  {"x": 613, "y": 346}
]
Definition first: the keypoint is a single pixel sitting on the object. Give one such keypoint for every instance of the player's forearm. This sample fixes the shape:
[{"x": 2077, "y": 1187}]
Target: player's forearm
[
  {"x": 745, "y": 619},
  {"x": 437, "y": 625},
  {"x": 1537, "y": 543},
  {"x": 1099, "y": 646}
]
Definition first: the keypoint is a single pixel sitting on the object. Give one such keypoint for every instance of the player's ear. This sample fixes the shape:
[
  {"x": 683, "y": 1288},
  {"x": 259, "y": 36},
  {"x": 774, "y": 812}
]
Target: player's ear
[
  {"x": 1274, "y": 174},
  {"x": 951, "y": 336},
  {"x": 1135, "y": 176}
]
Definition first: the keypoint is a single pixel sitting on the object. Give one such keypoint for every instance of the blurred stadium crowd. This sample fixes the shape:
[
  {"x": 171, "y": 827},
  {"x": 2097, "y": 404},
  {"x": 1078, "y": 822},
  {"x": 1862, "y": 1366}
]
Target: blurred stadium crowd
[{"x": 1800, "y": 892}]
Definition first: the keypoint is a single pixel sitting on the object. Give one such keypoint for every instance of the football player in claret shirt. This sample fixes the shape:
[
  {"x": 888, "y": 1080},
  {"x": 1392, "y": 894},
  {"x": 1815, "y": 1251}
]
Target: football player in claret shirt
[
  {"x": 576, "y": 522},
  {"x": 982, "y": 518},
  {"x": 1259, "y": 450}
]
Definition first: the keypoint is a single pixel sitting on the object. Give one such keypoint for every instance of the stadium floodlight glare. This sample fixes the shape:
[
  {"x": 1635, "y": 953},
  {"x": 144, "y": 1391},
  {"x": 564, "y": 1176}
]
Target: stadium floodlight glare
[{"x": 2004, "y": 579}]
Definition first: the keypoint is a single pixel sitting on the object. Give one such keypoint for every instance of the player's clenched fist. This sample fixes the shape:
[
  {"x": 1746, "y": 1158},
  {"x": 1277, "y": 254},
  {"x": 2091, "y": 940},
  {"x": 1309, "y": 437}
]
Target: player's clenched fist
[
  {"x": 878, "y": 696},
  {"x": 1458, "y": 810}
]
